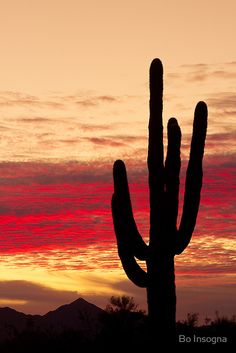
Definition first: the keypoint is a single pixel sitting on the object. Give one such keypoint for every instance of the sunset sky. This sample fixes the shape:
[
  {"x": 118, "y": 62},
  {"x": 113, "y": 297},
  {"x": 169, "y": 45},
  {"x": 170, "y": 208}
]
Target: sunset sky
[{"x": 74, "y": 98}]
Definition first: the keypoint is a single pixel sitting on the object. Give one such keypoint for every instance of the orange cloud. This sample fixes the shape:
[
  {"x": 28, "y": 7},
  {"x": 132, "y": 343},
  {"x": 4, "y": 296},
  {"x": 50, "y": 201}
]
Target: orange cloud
[
  {"x": 10, "y": 98},
  {"x": 201, "y": 72}
]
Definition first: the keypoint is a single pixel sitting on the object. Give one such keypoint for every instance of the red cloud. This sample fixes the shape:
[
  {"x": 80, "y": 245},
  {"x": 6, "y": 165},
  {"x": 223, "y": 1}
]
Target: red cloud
[{"x": 63, "y": 211}]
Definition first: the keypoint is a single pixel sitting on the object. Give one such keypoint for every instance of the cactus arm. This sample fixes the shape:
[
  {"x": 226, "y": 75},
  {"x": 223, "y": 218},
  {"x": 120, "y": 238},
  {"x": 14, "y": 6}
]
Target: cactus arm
[
  {"x": 133, "y": 271},
  {"x": 193, "y": 182},
  {"x": 172, "y": 170},
  {"x": 155, "y": 151},
  {"x": 125, "y": 227}
]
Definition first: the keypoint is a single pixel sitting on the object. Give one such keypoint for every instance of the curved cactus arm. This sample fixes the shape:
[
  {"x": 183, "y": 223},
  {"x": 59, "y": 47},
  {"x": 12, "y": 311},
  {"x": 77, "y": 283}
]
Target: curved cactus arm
[
  {"x": 172, "y": 170},
  {"x": 133, "y": 271},
  {"x": 193, "y": 182},
  {"x": 156, "y": 150},
  {"x": 125, "y": 227}
]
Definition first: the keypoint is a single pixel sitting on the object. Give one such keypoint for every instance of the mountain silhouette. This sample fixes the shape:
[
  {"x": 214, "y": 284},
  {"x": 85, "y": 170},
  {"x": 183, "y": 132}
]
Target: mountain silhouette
[
  {"x": 78, "y": 315},
  {"x": 12, "y": 322}
]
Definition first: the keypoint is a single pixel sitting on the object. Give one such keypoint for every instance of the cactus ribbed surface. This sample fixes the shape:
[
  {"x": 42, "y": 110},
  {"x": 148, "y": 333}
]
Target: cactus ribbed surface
[{"x": 165, "y": 240}]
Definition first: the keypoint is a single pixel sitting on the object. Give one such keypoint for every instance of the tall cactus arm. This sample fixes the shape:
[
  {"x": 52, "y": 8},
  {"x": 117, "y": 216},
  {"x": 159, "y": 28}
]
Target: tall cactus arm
[
  {"x": 193, "y": 182},
  {"x": 172, "y": 171},
  {"x": 125, "y": 227},
  {"x": 129, "y": 241},
  {"x": 156, "y": 151}
]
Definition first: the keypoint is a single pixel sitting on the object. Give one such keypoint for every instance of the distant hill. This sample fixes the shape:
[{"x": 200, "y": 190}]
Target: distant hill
[
  {"x": 11, "y": 322},
  {"x": 78, "y": 315}
]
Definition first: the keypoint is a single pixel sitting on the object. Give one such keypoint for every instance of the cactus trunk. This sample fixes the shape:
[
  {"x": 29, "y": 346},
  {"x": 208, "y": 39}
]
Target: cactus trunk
[
  {"x": 161, "y": 297},
  {"x": 165, "y": 240}
]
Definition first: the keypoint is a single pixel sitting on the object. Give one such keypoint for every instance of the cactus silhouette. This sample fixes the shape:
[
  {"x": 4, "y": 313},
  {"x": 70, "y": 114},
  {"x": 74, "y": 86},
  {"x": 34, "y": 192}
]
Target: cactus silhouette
[{"x": 165, "y": 240}]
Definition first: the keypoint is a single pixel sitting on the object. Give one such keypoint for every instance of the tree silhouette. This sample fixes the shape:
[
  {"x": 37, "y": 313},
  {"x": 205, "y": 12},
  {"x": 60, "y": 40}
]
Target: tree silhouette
[
  {"x": 165, "y": 240},
  {"x": 122, "y": 303}
]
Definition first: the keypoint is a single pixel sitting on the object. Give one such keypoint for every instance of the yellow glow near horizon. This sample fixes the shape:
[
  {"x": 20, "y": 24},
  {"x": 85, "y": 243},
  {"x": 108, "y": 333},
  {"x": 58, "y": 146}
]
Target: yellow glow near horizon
[{"x": 12, "y": 302}]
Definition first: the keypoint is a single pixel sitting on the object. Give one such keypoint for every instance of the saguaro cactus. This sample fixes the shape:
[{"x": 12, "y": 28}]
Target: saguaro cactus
[{"x": 165, "y": 240}]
